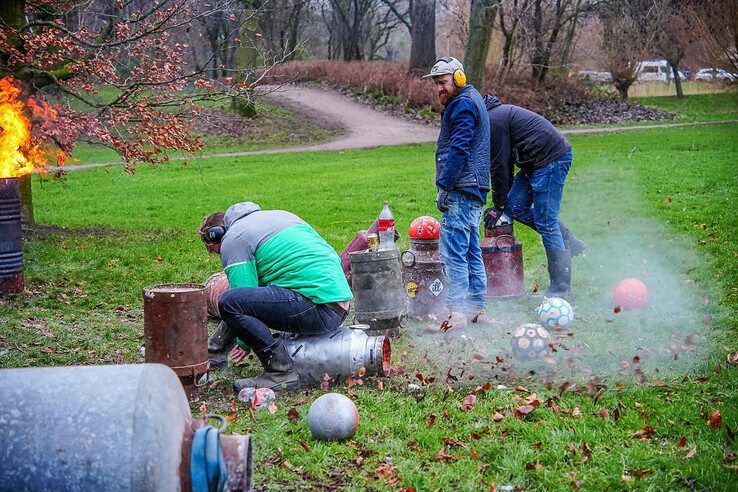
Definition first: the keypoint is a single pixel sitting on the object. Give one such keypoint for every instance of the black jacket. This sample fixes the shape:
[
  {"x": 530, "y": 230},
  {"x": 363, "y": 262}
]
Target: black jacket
[{"x": 522, "y": 137}]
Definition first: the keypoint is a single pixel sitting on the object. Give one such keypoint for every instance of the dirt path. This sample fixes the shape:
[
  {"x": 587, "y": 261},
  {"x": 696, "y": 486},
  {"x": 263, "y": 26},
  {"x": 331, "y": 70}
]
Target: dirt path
[{"x": 366, "y": 127}]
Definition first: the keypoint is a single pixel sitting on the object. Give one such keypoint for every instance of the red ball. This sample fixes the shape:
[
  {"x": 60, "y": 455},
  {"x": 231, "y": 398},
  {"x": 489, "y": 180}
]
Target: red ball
[
  {"x": 425, "y": 227},
  {"x": 630, "y": 293}
]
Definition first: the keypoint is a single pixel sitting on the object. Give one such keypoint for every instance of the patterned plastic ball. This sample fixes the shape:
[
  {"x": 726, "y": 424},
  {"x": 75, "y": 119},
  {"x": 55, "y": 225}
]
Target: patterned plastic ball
[
  {"x": 216, "y": 284},
  {"x": 530, "y": 341},
  {"x": 333, "y": 417},
  {"x": 425, "y": 227},
  {"x": 630, "y": 293},
  {"x": 554, "y": 312}
]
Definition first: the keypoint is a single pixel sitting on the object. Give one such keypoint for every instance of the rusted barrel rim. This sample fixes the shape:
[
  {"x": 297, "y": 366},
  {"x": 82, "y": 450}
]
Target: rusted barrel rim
[{"x": 173, "y": 292}]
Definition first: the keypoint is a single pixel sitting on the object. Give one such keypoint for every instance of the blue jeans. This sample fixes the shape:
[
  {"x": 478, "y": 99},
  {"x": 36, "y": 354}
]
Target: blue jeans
[
  {"x": 535, "y": 198},
  {"x": 461, "y": 254},
  {"x": 250, "y": 311}
]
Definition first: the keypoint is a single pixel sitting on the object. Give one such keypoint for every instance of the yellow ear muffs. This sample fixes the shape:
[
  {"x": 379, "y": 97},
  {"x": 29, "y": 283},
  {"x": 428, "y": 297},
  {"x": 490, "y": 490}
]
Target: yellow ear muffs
[{"x": 459, "y": 78}]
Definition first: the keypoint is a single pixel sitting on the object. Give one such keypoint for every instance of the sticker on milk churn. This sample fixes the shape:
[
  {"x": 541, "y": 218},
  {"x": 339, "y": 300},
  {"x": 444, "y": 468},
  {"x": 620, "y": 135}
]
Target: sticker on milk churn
[
  {"x": 411, "y": 288},
  {"x": 436, "y": 287}
]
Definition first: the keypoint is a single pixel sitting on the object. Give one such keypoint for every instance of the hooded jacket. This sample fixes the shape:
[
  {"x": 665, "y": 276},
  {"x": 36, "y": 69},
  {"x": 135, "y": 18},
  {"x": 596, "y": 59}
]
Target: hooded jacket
[
  {"x": 274, "y": 247},
  {"x": 462, "y": 151},
  {"x": 522, "y": 136}
]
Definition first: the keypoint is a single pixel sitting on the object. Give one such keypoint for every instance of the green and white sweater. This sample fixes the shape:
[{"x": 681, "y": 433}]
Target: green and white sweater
[{"x": 274, "y": 247}]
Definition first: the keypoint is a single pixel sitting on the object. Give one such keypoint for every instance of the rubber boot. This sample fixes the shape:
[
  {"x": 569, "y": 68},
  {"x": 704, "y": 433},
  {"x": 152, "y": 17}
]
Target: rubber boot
[
  {"x": 220, "y": 345},
  {"x": 559, "y": 271},
  {"x": 278, "y": 373},
  {"x": 571, "y": 242}
]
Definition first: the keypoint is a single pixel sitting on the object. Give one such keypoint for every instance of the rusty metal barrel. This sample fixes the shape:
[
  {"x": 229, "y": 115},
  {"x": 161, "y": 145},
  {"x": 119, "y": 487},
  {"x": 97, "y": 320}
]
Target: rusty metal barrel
[
  {"x": 11, "y": 238},
  {"x": 424, "y": 280},
  {"x": 379, "y": 297},
  {"x": 341, "y": 353},
  {"x": 176, "y": 331},
  {"x": 122, "y": 428},
  {"x": 502, "y": 254}
]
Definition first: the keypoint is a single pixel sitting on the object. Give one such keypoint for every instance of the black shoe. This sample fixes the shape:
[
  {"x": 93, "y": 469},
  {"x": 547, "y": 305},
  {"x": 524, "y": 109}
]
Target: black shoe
[
  {"x": 220, "y": 345},
  {"x": 278, "y": 373},
  {"x": 559, "y": 270}
]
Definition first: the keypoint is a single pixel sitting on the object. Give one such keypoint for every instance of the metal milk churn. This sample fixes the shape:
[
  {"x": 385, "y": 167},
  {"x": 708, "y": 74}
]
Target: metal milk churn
[
  {"x": 376, "y": 281},
  {"x": 426, "y": 285},
  {"x": 503, "y": 260}
]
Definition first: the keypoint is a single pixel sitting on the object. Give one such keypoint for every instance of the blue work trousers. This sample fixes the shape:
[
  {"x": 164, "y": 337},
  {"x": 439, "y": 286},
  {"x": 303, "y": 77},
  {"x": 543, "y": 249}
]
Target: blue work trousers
[
  {"x": 461, "y": 254},
  {"x": 535, "y": 198}
]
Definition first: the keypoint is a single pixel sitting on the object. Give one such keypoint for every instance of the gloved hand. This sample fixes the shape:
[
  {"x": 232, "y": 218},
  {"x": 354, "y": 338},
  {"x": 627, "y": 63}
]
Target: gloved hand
[
  {"x": 491, "y": 216},
  {"x": 441, "y": 201}
]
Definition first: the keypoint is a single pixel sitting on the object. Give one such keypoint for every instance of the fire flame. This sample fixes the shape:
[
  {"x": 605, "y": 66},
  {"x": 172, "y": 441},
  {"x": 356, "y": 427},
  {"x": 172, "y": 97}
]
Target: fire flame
[{"x": 18, "y": 154}]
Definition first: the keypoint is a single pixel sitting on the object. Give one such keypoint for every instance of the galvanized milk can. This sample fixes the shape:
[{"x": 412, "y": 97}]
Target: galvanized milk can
[
  {"x": 123, "y": 428},
  {"x": 424, "y": 280},
  {"x": 176, "y": 330},
  {"x": 502, "y": 253},
  {"x": 379, "y": 298}
]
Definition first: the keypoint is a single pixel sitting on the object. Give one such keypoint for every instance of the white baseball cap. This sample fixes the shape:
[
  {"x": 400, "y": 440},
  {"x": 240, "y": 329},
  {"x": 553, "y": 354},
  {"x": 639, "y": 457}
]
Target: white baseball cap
[{"x": 446, "y": 65}]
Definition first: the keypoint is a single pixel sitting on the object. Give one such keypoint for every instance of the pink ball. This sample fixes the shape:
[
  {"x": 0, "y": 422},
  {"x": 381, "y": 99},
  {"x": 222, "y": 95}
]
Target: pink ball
[
  {"x": 216, "y": 285},
  {"x": 630, "y": 293}
]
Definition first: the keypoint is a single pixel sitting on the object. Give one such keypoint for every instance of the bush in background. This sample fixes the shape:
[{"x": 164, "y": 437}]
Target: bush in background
[{"x": 563, "y": 100}]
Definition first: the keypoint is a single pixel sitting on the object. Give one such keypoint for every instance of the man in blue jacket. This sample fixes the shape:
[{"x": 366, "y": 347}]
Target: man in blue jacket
[
  {"x": 533, "y": 196},
  {"x": 462, "y": 178}
]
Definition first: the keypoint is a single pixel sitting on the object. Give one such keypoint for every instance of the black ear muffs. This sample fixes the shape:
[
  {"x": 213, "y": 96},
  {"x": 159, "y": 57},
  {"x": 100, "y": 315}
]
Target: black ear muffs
[{"x": 215, "y": 234}]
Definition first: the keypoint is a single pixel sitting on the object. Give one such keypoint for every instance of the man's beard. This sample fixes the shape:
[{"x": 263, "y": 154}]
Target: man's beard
[{"x": 445, "y": 97}]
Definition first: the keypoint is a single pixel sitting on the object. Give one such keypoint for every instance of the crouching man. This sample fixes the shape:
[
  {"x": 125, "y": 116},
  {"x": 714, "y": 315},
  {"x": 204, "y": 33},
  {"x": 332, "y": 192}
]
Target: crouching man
[{"x": 283, "y": 276}]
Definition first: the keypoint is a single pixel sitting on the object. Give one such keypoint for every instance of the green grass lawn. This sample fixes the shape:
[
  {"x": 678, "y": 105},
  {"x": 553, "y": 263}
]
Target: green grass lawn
[
  {"x": 658, "y": 205},
  {"x": 697, "y": 107}
]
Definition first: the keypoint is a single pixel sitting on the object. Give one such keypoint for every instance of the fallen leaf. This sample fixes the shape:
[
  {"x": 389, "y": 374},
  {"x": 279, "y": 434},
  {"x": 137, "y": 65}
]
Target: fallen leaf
[
  {"x": 645, "y": 432},
  {"x": 682, "y": 443},
  {"x": 576, "y": 412},
  {"x": 616, "y": 309},
  {"x": 293, "y": 414},
  {"x": 272, "y": 408},
  {"x": 535, "y": 286},
  {"x": 432, "y": 419},
  {"x": 715, "y": 420},
  {"x": 690, "y": 453},
  {"x": 326, "y": 383},
  {"x": 474, "y": 454},
  {"x": 667, "y": 200},
  {"x": 604, "y": 412},
  {"x": 380, "y": 384},
  {"x": 497, "y": 417},
  {"x": 441, "y": 455},
  {"x": 286, "y": 464},
  {"x": 305, "y": 446},
  {"x": 526, "y": 409}
]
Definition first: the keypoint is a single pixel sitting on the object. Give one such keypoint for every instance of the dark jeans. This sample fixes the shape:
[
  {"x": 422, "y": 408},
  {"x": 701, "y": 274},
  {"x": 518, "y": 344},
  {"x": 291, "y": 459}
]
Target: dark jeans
[
  {"x": 251, "y": 311},
  {"x": 535, "y": 198}
]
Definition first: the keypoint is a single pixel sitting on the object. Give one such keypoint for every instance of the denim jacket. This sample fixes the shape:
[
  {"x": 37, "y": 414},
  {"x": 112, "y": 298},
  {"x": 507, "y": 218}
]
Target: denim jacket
[{"x": 462, "y": 151}]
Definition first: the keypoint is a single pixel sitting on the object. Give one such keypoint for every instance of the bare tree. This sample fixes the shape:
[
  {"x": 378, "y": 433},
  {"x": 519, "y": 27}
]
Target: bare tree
[
  {"x": 712, "y": 32},
  {"x": 481, "y": 21},
  {"x": 543, "y": 23},
  {"x": 358, "y": 28},
  {"x": 630, "y": 31},
  {"x": 510, "y": 14},
  {"x": 422, "y": 35},
  {"x": 280, "y": 23},
  {"x": 671, "y": 42}
]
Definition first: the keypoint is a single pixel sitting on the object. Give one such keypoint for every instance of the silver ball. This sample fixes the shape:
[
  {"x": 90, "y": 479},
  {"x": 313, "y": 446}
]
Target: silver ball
[{"x": 333, "y": 417}]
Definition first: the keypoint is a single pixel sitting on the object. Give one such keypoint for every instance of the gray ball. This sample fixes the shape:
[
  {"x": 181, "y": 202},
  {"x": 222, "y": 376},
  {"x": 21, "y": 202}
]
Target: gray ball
[{"x": 333, "y": 417}]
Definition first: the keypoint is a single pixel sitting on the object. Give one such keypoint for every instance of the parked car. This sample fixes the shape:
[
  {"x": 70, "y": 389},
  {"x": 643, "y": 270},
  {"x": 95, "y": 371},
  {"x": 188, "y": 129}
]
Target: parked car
[
  {"x": 656, "y": 71},
  {"x": 595, "y": 75},
  {"x": 714, "y": 74}
]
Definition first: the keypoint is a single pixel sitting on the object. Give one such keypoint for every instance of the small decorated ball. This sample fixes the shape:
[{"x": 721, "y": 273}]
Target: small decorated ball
[
  {"x": 530, "y": 341},
  {"x": 554, "y": 312},
  {"x": 630, "y": 293},
  {"x": 425, "y": 227},
  {"x": 333, "y": 417},
  {"x": 216, "y": 285}
]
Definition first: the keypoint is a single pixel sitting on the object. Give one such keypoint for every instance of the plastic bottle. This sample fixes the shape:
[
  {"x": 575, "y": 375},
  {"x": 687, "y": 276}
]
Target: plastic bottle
[
  {"x": 257, "y": 397},
  {"x": 386, "y": 228}
]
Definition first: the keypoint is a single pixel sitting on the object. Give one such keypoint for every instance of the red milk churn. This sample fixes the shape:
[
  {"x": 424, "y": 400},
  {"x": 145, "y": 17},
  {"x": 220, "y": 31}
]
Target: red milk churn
[
  {"x": 422, "y": 272},
  {"x": 503, "y": 261},
  {"x": 176, "y": 330}
]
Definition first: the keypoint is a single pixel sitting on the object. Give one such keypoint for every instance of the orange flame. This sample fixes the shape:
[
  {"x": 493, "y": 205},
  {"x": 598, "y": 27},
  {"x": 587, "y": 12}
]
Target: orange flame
[{"x": 18, "y": 154}]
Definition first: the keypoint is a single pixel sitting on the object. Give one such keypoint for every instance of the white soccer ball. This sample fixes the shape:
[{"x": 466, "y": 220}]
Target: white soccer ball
[{"x": 554, "y": 312}]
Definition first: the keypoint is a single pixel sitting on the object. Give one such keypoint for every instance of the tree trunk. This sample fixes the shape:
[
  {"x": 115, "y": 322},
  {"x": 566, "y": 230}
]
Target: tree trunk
[
  {"x": 422, "y": 36},
  {"x": 622, "y": 88},
  {"x": 481, "y": 20},
  {"x": 677, "y": 81}
]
